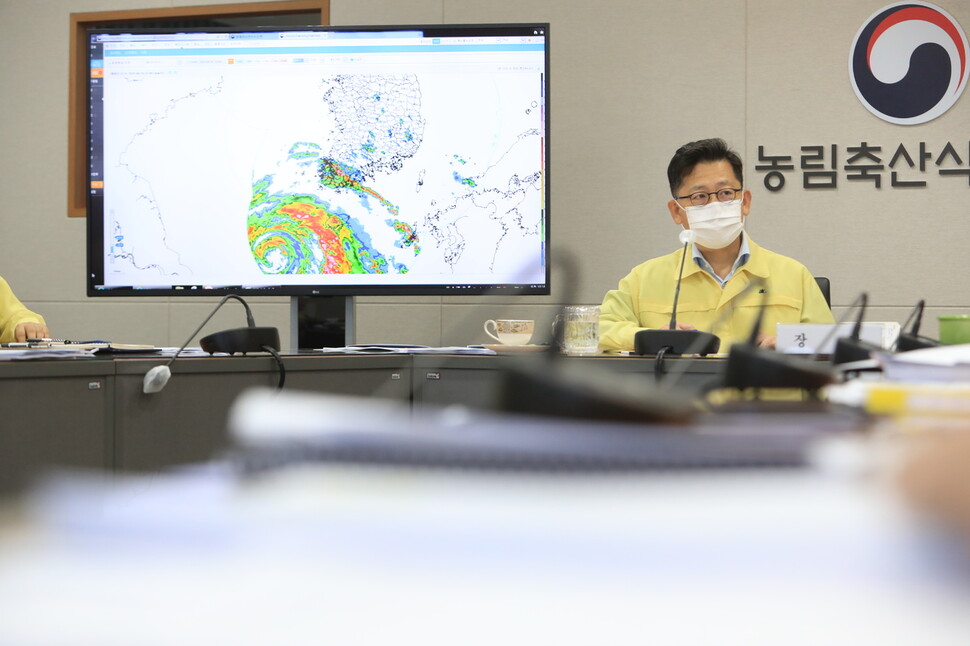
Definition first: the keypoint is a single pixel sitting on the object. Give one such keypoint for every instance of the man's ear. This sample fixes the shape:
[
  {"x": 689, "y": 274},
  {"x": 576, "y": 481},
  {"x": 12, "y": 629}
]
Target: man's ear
[
  {"x": 746, "y": 203},
  {"x": 677, "y": 213}
]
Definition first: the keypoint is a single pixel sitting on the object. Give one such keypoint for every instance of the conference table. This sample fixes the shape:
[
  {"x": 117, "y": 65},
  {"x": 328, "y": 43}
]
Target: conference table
[
  {"x": 363, "y": 553},
  {"x": 91, "y": 412},
  {"x": 163, "y": 524}
]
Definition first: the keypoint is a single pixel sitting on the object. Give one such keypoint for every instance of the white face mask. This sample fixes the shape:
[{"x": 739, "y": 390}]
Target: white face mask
[{"x": 716, "y": 224}]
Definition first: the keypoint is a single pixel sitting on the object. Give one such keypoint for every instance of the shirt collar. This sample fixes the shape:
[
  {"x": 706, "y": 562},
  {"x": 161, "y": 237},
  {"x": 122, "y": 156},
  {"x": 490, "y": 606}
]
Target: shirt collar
[{"x": 744, "y": 254}]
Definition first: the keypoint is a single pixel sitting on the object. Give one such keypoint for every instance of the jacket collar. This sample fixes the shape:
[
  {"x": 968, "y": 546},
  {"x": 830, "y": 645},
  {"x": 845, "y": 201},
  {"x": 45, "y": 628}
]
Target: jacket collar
[{"x": 757, "y": 264}]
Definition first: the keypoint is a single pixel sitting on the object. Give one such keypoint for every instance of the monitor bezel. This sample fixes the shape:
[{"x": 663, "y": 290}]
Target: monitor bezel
[{"x": 95, "y": 220}]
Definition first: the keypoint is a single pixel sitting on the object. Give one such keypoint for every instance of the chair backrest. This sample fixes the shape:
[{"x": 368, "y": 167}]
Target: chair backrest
[{"x": 823, "y": 284}]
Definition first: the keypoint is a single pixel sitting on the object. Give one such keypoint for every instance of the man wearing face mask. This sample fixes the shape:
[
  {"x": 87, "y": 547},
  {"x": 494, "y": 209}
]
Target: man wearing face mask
[{"x": 709, "y": 199}]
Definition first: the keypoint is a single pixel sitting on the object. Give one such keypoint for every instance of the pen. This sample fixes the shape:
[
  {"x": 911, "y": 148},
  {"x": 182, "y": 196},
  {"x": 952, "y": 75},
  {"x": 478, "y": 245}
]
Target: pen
[
  {"x": 64, "y": 341},
  {"x": 17, "y": 345}
]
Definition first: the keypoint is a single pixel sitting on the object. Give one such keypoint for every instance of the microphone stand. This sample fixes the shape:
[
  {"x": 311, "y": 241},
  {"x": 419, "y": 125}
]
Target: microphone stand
[
  {"x": 852, "y": 348},
  {"x": 751, "y": 367},
  {"x": 246, "y": 339},
  {"x": 661, "y": 342},
  {"x": 912, "y": 340}
]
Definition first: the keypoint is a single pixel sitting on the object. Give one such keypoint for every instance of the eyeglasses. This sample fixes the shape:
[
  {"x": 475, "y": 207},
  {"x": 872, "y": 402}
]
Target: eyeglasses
[{"x": 701, "y": 198}]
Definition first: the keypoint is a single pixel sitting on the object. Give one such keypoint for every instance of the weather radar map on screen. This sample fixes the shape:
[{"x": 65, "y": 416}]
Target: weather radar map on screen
[{"x": 318, "y": 160}]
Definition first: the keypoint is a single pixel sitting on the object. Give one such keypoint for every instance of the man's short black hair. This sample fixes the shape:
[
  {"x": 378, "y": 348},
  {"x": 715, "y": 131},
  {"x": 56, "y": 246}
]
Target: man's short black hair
[{"x": 706, "y": 150}]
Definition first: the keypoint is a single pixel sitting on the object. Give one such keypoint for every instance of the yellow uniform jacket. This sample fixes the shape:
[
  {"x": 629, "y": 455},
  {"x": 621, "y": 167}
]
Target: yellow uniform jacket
[
  {"x": 644, "y": 299},
  {"x": 12, "y": 313}
]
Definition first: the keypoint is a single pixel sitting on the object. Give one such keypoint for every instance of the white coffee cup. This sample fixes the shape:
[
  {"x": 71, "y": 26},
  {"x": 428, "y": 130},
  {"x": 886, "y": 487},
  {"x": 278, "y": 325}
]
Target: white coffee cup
[{"x": 510, "y": 331}]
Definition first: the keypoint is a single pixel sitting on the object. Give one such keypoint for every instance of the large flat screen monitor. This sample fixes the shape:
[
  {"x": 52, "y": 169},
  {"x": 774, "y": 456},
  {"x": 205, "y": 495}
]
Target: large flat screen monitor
[{"x": 319, "y": 161}]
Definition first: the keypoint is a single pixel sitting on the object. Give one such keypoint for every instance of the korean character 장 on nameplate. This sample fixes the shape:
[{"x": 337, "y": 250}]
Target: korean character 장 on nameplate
[{"x": 817, "y": 338}]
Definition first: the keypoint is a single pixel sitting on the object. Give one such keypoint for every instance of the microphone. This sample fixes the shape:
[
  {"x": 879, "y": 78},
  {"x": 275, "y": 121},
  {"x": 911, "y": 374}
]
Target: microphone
[
  {"x": 247, "y": 339},
  {"x": 750, "y": 366},
  {"x": 672, "y": 340},
  {"x": 852, "y": 348},
  {"x": 687, "y": 237},
  {"x": 912, "y": 340},
  {"x": 547, "y": 384}
]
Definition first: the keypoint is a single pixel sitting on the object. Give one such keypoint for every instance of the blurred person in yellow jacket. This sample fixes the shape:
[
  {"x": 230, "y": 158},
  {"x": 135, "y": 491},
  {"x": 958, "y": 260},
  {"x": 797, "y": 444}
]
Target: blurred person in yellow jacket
[
  {"x": 708, "y": 197},
  {"x": 17, "y": 323}
]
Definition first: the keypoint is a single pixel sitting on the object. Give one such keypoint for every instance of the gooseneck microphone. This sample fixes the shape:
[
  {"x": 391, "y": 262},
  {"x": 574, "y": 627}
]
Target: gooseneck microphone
[
  {"x": 752, "y": 367},
  {"x": 672, "y": 340},
  {"x": 687, "y": 237},
  {"x": 912, "y": 340},
  {"x": 550, "y": 385},
  {"x": 247, "y": 339},
  {"x": 852, "y": 348}
]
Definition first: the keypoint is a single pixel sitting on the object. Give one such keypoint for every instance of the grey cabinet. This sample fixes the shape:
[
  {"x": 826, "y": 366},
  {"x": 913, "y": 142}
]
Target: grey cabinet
[
  {"x": 53, "y": 414},
  {"x": 92, "y": 413},
  {"x": 186, "y": 421}
]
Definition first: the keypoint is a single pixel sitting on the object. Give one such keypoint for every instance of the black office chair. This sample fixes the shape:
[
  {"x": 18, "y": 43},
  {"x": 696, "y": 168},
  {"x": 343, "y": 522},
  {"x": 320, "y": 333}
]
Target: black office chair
[{"x": 825, "y": 286}]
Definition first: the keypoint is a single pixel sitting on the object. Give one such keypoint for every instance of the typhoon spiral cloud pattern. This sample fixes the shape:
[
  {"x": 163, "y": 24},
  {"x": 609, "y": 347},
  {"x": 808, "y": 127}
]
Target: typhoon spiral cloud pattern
[{"x": 908, "y": 62}]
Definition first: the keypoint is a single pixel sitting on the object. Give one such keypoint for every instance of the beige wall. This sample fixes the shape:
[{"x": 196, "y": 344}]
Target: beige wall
[{"x": 631, "y": 80}]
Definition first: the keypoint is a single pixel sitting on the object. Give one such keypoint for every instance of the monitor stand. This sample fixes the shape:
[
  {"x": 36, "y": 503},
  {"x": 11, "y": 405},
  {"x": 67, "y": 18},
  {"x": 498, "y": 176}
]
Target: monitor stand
[{"x": 321, "y": 322}]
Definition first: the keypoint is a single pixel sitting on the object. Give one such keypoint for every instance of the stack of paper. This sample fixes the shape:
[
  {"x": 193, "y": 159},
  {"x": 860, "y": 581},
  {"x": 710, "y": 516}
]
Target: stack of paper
[
  {"x": 61, "y": 352},
  {"x": 941, "y": 363}
]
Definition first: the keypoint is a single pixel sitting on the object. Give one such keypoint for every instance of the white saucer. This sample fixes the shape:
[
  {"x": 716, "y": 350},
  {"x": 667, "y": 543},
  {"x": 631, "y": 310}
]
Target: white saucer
[{"x": 510, "y": 349}]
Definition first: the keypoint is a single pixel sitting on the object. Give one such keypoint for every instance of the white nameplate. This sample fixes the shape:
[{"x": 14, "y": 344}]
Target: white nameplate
[{"x": 804, "y": 338}]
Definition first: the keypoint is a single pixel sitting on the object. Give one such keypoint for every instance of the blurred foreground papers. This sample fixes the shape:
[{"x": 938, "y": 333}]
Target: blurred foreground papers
[
  {"x": 342, "y": 554},
  {"x": 275, "y": 428},
  {"x": 304, "y": 545}
]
